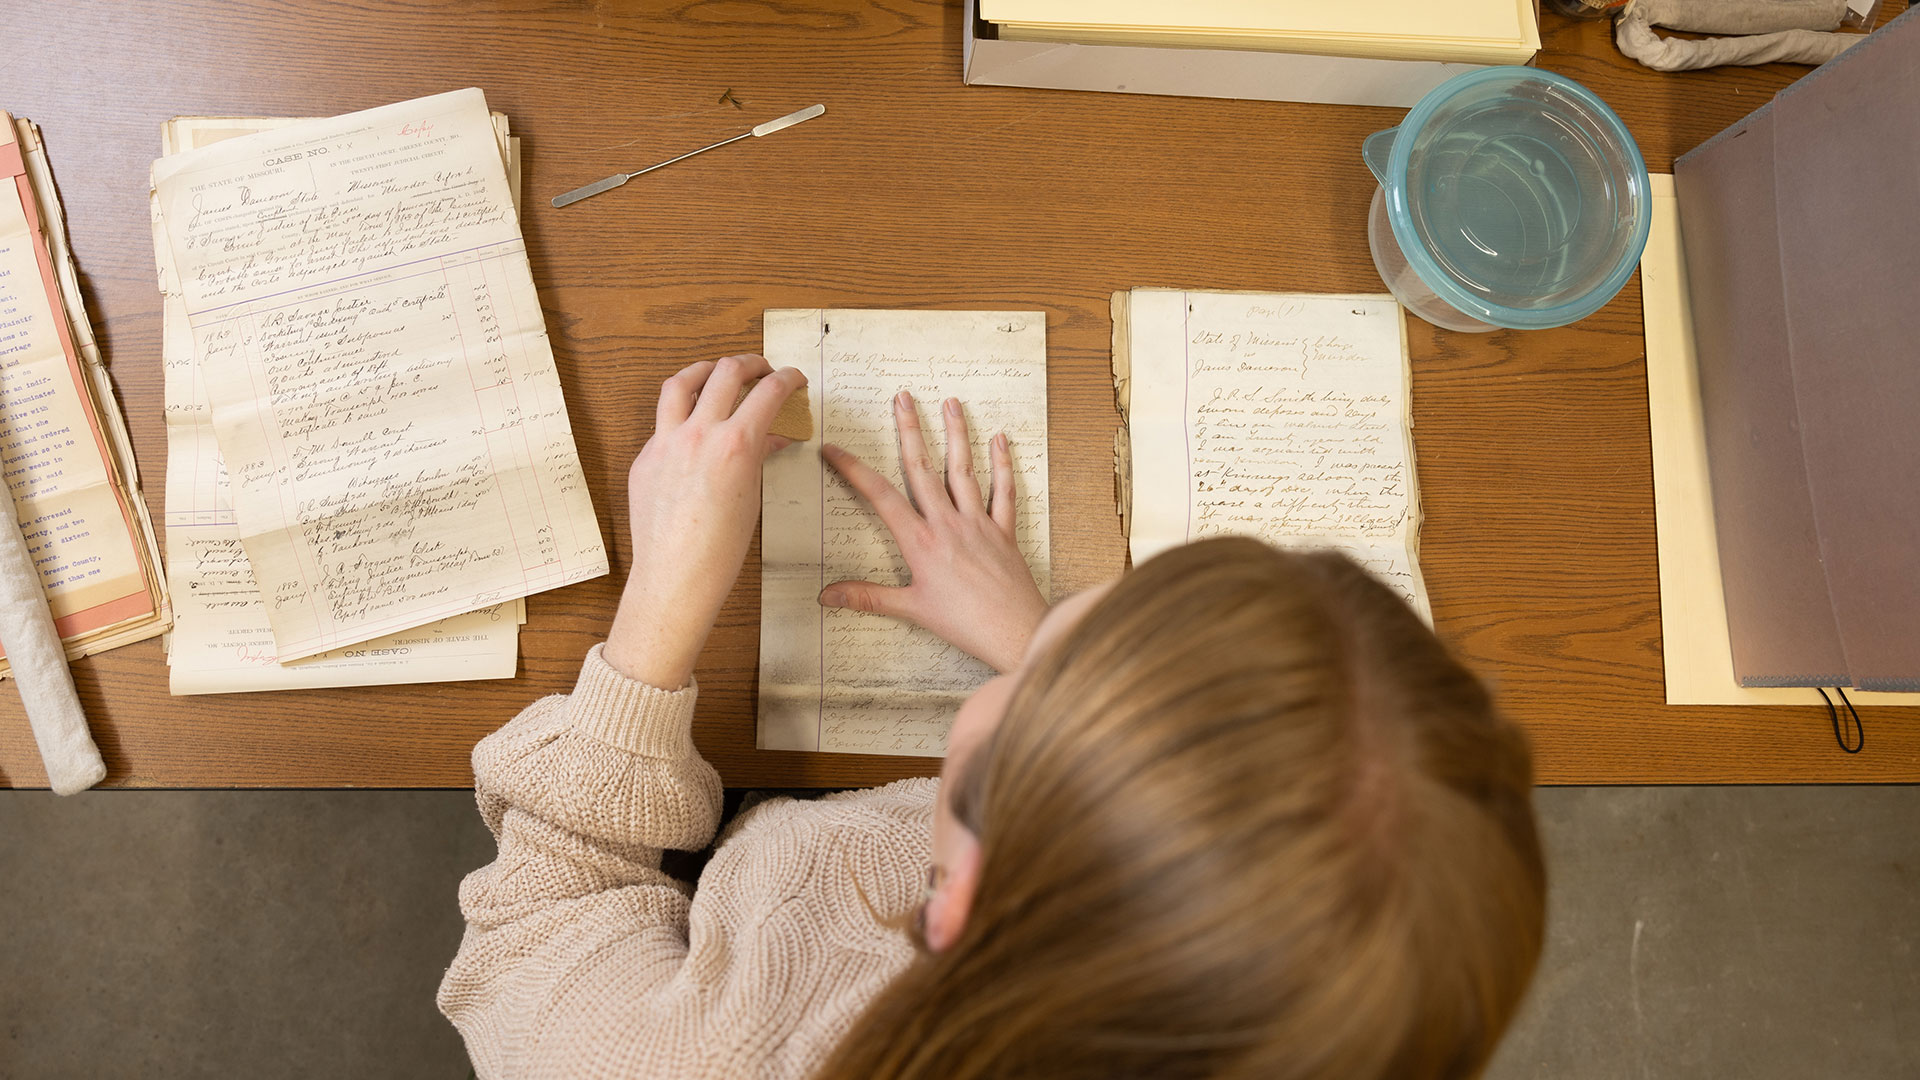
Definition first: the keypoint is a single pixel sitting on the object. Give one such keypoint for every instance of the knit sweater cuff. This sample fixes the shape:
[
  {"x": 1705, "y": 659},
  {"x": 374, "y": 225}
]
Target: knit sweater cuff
[{"x": 630, "y": 714}]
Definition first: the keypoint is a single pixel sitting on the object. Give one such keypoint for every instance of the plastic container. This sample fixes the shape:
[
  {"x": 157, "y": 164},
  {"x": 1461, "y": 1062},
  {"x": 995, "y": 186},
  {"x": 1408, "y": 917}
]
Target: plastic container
[{"x": 1509, "y": 197}]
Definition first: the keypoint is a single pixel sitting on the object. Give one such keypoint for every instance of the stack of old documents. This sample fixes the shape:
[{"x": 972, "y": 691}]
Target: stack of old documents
[
  {"x": 67, "y": 460},
  {"x": 369, "y": 459}
]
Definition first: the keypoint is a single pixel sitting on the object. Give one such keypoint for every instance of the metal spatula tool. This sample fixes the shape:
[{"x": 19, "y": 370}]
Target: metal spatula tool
[{"x": 617, "y": 179}]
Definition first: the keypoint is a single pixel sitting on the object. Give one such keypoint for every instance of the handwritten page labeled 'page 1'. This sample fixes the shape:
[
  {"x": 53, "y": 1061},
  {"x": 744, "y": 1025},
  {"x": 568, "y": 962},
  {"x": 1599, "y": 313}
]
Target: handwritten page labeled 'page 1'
[
  {"x": 1282, "y": 417},
  {"x": 848, "y": 682},
  {"x": 381, "y": 383}
]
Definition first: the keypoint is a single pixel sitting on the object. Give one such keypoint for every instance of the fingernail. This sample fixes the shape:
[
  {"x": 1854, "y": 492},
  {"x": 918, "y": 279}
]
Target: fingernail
[
  {"x": 833, "y": 598},
  {"x": 830, "y": 450},
  {"x": 953, "y": 406},
  {"x": 1000, "y": 440}
]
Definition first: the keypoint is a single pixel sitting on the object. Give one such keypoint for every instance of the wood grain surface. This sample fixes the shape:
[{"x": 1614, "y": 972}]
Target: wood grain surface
[{"x": 913, "y": 191}]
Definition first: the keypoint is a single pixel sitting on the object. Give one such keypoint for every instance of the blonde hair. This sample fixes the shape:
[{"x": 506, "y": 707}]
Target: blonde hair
[{"x": 1247, "y": 819}]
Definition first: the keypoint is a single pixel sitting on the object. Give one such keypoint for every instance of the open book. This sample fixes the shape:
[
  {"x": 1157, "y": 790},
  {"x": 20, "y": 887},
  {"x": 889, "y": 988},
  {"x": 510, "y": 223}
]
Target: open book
[
  {"x": 68, "y": 462},
  {"x": 1283, "y": 417}
]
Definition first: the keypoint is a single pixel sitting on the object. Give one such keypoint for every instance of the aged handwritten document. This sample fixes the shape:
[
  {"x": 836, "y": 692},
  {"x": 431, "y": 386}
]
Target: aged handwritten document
[
  {"x": 1283, "y": 417},
  {"x": 843, "y": 681},
  {"x": 64, "y": 449},
  {"x": 221, "y": 641},
  {"x": 379, "y": 376}
]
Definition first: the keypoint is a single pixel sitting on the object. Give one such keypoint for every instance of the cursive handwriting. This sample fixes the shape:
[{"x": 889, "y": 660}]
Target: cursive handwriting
[
  {"x": 1295, "y": 428},
  {"x": 378, "y": 372},
  {"x": 886, "y": 686},
  {"x": 869, "y": 662}
]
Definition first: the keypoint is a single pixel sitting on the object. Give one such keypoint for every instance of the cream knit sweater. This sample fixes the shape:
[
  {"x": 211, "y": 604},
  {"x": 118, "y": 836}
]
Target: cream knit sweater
[{"x": 582, "y": 959}]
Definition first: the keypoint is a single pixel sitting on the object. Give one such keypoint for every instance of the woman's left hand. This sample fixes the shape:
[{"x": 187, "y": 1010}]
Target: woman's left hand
[
  {"x": 693, "y": 496},
  {"x": 970, "y": 584}
]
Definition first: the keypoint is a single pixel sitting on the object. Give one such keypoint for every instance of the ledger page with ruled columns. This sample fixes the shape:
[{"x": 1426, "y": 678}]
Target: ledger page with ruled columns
[
  {"x": 844, "y": 681},
  {"x": 378, "y": 370},
  {"x": 221, "y": 641}
]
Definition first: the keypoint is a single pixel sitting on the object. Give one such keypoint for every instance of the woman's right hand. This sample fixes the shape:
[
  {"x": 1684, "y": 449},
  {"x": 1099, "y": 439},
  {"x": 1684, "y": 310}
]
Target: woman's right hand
[
  {"x": 969, "y": 583},
  {"x": 693, "y": 496}
]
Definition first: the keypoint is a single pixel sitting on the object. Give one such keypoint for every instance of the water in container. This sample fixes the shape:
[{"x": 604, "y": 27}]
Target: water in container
[{"x": 1510, "y": 197}]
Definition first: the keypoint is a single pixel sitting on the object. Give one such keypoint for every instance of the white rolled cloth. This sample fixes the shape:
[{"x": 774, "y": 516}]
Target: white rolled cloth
[
  {"x": 1742, "y": 17},
  {"x": 40, "y": 666}
]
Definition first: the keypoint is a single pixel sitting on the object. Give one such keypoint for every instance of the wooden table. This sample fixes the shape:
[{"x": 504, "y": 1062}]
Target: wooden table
[{"x": 915, "y": 191}]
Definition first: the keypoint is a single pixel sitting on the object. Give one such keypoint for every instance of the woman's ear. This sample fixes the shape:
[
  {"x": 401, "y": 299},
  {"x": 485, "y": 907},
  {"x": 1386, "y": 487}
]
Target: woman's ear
[{"x": 952, "y": 900}]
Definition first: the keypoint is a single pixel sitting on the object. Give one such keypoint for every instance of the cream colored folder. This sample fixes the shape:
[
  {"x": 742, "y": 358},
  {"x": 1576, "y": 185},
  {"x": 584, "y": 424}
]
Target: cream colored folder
[{"x": 1465, "y": 31}]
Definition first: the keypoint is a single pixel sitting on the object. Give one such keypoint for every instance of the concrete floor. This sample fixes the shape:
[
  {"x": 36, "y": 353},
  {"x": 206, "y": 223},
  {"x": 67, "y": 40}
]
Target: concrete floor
[{"x": 1695, "y": 932}]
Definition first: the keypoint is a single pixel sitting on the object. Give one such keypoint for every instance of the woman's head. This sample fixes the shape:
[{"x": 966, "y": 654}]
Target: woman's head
[{"x": 1245, "y": 817}]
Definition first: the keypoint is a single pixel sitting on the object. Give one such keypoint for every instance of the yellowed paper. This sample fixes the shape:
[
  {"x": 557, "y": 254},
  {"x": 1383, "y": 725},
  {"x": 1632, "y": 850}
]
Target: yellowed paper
[
  {"x": 58, "y": 476},
  {"x": 112, "y": 424},
  {"x": 1693, "y": 608},
  {"x": 1122, "y": 312},
  {"x": 222, "y": 641},
  {"x": 381, "y": 384},
  {"x": 1494, "y": 19},
  {"x": 1484, "y": 32},
  {"x": 842, "y": 681},
  {"x": 64, "y": 450},
  {"x": 1437, "y": 50},
  {"x": 1282, "y": 417}
]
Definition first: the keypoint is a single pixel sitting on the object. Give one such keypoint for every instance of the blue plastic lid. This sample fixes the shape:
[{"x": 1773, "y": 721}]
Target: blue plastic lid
[{"x": 1517, "y": 195}]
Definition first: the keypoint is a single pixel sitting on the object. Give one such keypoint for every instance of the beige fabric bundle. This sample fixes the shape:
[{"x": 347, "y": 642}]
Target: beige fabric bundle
[
  {"x": 40, "y": 667},
  {"x": 1765, "y": 31}
]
